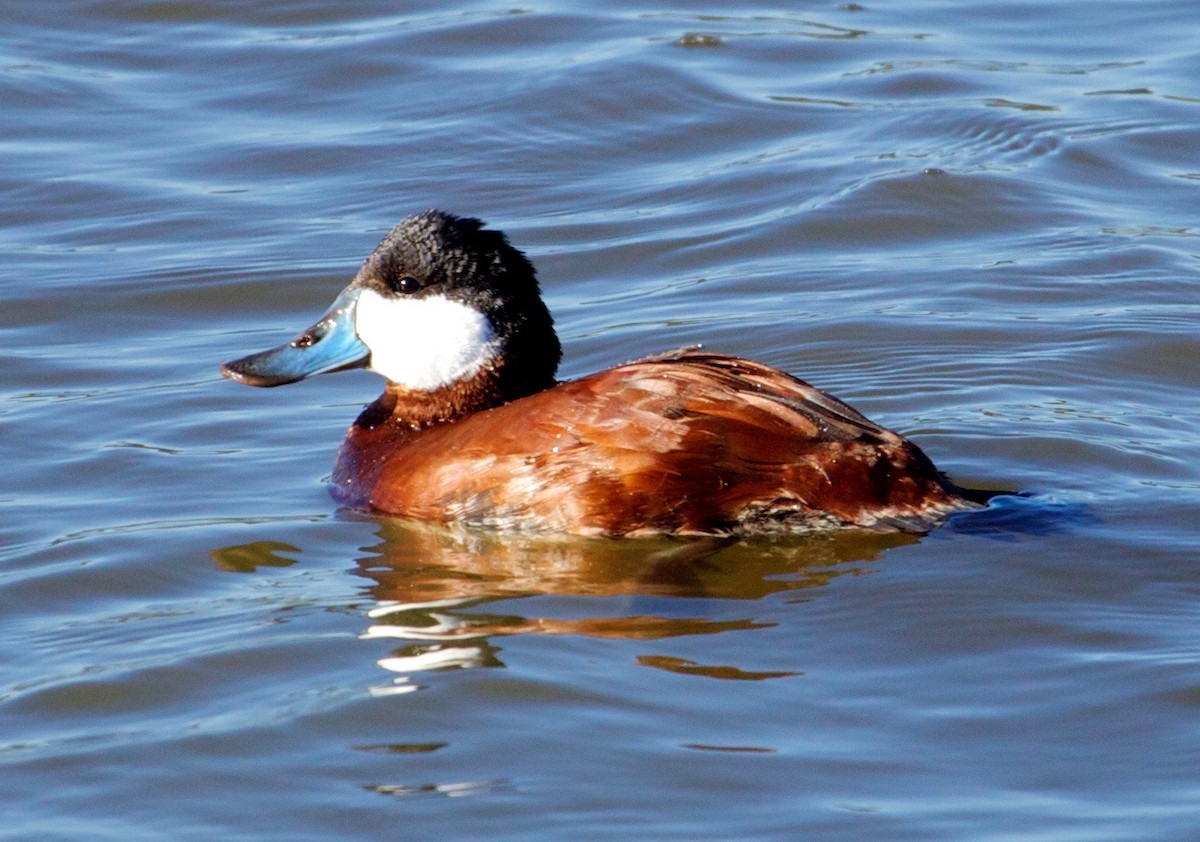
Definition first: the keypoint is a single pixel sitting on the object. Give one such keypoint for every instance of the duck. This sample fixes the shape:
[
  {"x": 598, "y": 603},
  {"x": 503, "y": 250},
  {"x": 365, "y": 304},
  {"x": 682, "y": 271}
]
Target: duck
[{"x": 473, "y": 428}]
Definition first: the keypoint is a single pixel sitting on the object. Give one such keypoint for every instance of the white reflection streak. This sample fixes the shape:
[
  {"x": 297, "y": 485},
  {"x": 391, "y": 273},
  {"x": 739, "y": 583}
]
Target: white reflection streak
[
  {"x": 393, "y": 606},
  {"x": 437, "y": 658},
  {"x": 447, "y": 628},
  {"x": 463, "y": 657},
  {"x": 434, "y": 657}
]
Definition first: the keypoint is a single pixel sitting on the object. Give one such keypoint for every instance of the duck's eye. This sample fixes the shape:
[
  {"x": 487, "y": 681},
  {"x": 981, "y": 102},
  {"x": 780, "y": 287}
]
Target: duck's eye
[{"x": 408, "y": 284}]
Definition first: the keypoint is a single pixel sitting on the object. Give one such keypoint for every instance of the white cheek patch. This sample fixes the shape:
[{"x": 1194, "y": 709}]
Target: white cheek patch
[{"x": 423, "y": 344}]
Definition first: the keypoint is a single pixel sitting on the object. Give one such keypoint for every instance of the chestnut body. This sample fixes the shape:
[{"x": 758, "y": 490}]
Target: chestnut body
[{"x": 685, "y": 443}]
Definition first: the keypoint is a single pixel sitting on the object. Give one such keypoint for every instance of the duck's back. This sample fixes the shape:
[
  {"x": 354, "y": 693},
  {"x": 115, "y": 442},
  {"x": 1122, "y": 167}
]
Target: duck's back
[{"x": 684, "y": 442}]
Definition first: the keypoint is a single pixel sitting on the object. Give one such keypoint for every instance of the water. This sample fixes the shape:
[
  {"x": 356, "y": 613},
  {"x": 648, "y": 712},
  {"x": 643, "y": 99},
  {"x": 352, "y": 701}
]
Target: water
[{"x": 974, "y": 221}]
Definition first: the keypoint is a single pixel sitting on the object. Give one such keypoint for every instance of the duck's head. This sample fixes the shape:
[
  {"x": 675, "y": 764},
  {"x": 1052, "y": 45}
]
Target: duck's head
[{"x": 440, "y": 302}]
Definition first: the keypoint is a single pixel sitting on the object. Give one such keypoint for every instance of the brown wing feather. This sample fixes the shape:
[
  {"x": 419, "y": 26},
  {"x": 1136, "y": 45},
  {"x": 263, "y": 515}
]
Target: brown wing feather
[{"x": 687, "y": 442}]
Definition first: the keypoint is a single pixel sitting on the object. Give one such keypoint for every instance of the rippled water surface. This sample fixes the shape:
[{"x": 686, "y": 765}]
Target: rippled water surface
[{"x": 977, "y": 222}]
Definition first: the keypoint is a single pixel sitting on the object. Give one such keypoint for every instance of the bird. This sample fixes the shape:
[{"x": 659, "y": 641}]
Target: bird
[{"x": 474, "y": 430}]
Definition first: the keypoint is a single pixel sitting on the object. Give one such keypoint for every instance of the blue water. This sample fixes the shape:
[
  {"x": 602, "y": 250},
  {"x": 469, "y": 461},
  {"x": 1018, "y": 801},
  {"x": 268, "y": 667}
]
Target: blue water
[{"x": 976, "y": 222}]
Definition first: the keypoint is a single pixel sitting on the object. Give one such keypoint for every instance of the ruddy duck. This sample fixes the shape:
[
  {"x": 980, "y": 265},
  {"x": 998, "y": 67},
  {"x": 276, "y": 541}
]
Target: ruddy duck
[{"x": 473, "y": 428}]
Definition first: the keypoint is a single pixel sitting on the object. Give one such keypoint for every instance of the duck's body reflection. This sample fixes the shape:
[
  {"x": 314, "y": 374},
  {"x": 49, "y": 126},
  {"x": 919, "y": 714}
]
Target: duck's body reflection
[{"x": 449, "y": 594}]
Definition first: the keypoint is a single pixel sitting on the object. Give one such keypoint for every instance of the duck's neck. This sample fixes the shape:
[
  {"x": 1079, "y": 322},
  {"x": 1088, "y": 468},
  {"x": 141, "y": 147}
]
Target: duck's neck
[{"x": 419, "y": 409}]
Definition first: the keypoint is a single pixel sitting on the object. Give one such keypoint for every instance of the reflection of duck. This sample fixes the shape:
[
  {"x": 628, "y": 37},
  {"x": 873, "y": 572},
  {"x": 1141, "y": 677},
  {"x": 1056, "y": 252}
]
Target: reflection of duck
[
  {"x": 446, "y": 597},
  {"x": 432, "y": 584},
  {"x": 472, "y": 427},
  {"x": 419, "y": 565}
]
